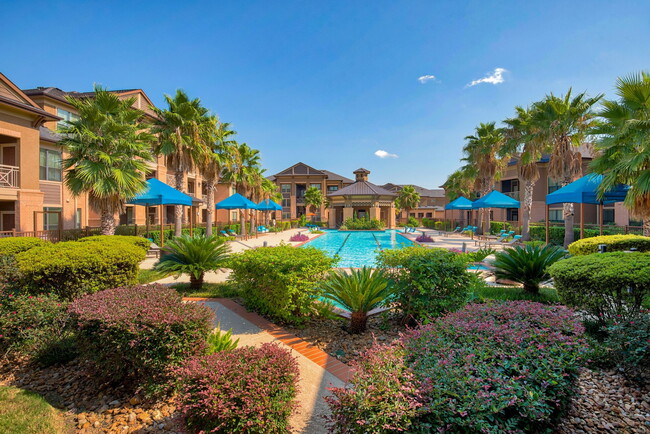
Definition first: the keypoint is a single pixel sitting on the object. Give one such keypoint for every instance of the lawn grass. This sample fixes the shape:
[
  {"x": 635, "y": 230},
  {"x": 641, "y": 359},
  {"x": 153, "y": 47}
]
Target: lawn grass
[
  {"x": 209, "y": 290},
  {"x": 546, "y": 295},
  {"x": 148, "y": 276},
  {"x": 24, "y": 412}
]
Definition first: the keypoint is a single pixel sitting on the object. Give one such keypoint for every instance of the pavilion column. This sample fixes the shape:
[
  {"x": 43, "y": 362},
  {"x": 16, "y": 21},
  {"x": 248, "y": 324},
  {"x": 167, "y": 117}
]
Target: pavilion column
[
  {"x": 332, "y": 218},
  {"x": 348, "y": 212},
  {"x": 375, "y": 212},
  {"x": 391, "y": 217}
]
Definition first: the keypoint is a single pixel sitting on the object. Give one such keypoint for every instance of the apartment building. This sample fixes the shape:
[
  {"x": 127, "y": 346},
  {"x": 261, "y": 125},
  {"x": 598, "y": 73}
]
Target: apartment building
[
  {"x": 432, "y": 202},
  {"x": 33, "y": 196}
]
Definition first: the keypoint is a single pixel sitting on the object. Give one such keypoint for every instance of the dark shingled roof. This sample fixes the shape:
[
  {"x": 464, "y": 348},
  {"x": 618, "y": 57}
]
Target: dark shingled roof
[
  {"x": 362, "y": 188},
  {"x": 58, "y": 94},
  {"x": 336, "y": 177},
  {"x": 424, "y": 192},
  {"x": 304, "y": 169},
  {"x": 49, "y": 136}
]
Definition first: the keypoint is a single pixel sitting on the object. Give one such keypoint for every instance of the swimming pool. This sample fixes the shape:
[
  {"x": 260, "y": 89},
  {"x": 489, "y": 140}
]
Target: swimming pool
[{"x": 359, "y": 248}]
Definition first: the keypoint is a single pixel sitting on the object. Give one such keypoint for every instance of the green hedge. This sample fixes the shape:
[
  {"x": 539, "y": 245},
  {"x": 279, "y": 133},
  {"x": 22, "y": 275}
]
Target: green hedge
[
  {"x": 496, "y": 227},
  {"x": 70, "y": 269},
  {"x": 556, "y": 233},
  {"x": 13, "y": 245},
  {"x": 607, "y": 285},
  {"x": 140, "y": 242},
  {"x": 614, "y": 243},
  {"x": 281, "y": 281}
]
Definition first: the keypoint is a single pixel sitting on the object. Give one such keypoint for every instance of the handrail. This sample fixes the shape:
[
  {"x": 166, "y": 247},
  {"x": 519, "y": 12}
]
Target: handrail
[{"x": 9, "y": 176}]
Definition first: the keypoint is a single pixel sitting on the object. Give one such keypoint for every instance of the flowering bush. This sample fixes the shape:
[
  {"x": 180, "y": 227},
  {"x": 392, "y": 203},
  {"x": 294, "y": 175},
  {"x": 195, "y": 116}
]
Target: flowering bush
[
  {"x": 299, "y": 238},
  {"x": 629, "y": 344},
  {"x": 73, "y": 268},
  {"x": 11, "y": 246},
  {"x": 10, "y": 277},
  {"x": 140, "y": 332},
  {"x": 499, "y": 367},
  {"x": 282, "y": 282},
  {"x": 249, "y": 390},
  {"x": 424, "y": 239},
  {"x": 429, "y": 282},
  {"x": 36, "y": 325}
]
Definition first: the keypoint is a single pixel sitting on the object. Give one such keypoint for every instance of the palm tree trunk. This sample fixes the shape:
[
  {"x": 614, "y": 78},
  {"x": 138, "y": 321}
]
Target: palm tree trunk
[
  {"x": 196, "y": 283},
  {"x": 567, "y": 211},
  {"x": 646, "y": 228},
  {"x": 210, "y": 212},
  {"x": 178, "y": 221},
  {"x": 528, "y": 204},
  {"x": 358, "y": 322},
  {"x": 107, "y": 222},
  {"x": 531, "y": 288}
]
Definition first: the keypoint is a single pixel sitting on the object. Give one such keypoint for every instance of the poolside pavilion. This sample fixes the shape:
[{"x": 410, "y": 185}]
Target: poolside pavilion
[{"x": 362, "y": 199}]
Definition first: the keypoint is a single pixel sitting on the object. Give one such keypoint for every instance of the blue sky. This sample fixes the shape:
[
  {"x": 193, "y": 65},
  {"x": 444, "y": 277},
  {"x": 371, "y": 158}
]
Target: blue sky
[{"x": 330, "y": 83}]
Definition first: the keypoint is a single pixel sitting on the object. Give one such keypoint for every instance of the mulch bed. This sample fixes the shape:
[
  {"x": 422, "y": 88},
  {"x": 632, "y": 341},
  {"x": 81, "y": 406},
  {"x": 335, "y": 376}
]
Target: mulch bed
[{"x": 90, "y": 404}]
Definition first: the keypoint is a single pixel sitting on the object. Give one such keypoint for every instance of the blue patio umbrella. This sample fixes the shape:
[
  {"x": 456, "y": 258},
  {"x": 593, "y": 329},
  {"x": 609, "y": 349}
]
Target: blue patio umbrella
[
  {"x": 460, "y": 203},
  {"x": 585, "y": 190},
  {"x": 159, "y": 193},
  {"x": 268, "y": 205},
  {"x": 495, "y": 199},
  {"x": 237, "y": 201}
]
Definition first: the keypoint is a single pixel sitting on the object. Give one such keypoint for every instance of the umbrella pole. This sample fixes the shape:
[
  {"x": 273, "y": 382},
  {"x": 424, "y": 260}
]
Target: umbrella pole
[
  {"x": 191, "y": 218},
  {"x": 547, "y": 223},
  {"x": 162, "y": 227},
  {"x": 582, "y": 220},
  {"x": 600, "y": 209},
  {"x": 146, "y": 217}
]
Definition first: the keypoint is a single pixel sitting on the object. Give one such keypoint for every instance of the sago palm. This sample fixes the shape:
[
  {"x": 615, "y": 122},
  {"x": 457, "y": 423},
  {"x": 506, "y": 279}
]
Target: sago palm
[
  {"x": 194, "y": 256},
  {"x": 407, "y": 199},
  {"x": 527, "y": 265},
  {"x": 625, "y": 144},
  {"x": 359, "y": 291},
  {"x": 107, "y": 150}
]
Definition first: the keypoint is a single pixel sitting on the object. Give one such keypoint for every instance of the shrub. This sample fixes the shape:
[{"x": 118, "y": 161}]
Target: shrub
[
  {"x": 556, "y": 233},
  {"x": 280, "y": 281},
  {"x": 363, "y": 223},
  {"x": 496, "y": 227},
  {"x": 359, "y": 291},
  {"x": 412, "y": 221},
  {"x": 249, "y": 390},
  {"x": 429, "y": 282},
  {"x": 11, "y": 246},
  {"x": 479, "y": 255},
  {"x": 424, "y": 239},
  {"x": 527, "y": 265},
  {"x": 499, "y": 367},
  {"x": 629, "y": 344},
  {"x": 141, "y": 242},
  {"x": 71, "y": 268},
  {"x": 219, "y": 341},
  {"x": 614, "y": 243},
  {"x": 194, "y": 256},
  {"x": 299, "y": 238},
  {"x": 604, "y": 285},
  {"x": 38, "y": 326},
  {"x": 138, "y": 333},
  {"x": 10, "y": 276}
]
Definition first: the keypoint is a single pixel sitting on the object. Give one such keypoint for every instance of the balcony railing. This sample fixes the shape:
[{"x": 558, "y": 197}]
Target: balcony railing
[
  {"x": 512, "y": 194},
  {"x": 8, "y": 176}
]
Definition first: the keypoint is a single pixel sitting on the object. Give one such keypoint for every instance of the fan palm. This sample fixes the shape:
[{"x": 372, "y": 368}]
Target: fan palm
[
  {"x": 180, "y": 129},
  {"x": 194, "y": 256},
  {"x": 625, "y": 144},
  {"x": 314, "y": 198},
  {"x": 563, "y": 124},
  {"x": 527, "y": 265},
  {"x": 483, "y": 154},
  {"x": 459, "y": 183},
  {"x": 358, "y": 291},
  {"x": 107, "y": 153},
  {"x": 407, "y": 199},
  {"x": 240, "y": 172},
  {"x": 523, "y": 141}
]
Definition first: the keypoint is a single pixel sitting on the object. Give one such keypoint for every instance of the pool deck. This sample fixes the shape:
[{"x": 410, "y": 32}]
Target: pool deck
[{"x": 449, "y": 240}]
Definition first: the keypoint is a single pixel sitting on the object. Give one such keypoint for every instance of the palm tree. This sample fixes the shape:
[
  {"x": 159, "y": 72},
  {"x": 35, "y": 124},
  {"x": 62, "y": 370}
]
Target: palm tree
[
  {"x": 407, "y": 199},
  {"x": 522, "y": 139},
  {"x": 269, "y": 191},
  {"x": 625, "y": 144},
  {"x": 179, "y": 130},
  {"x": 108, "y": 149},
  {"x": 527, "y": 265},
  {"x": 564, "y": 124},
  {"x": 314, "y": 198},
  {"x": 241, "y": 171},
  {"x": 460, "y": 183},
  {"x": 483, "y": 152},
  {"x": 194, "y": 256},
  {"x": 213, "y": 163}
]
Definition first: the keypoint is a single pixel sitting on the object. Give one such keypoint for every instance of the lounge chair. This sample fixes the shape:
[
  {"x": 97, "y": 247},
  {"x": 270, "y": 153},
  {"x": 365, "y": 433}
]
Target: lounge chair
[
  {"x": 262, "y": 229},
  {"x": 504, "y": 236},
  {"x": 224, "y": 233},
  {"x": 456, "y": 230},
  {"x": 516, "y": 239}
]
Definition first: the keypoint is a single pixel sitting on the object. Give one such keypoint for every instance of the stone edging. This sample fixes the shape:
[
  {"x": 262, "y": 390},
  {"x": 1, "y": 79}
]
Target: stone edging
[{"x": 331, "y": 364}]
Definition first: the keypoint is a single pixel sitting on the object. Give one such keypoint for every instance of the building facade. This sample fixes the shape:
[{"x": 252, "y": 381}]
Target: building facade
[{"x": 432, "y": 202}]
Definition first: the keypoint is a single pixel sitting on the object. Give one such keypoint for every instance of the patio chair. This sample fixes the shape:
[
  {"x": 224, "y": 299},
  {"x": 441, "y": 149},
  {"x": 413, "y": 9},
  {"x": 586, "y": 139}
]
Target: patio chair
[
  {"x": 262, "y": 229},
  {"x": 504, "y": 236},
  {"x": 224, "y": 233},
  {"x": 516, "y": 239},
  {"x": 456, "y": 230}
]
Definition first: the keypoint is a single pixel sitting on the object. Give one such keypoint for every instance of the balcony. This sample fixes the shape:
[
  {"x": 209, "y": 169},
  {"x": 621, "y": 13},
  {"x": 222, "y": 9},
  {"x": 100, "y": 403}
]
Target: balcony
[
  {"x": 512, "y": 194},
  {"x": 8, "y": 176}
]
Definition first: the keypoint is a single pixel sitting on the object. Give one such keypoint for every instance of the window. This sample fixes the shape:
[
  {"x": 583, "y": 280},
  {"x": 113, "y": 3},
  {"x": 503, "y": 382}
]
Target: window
[
  {"x": 67, "y": 117},
  {"x": 332, "y": 188},
  {"x": 50, "y": 165},
  {"x": 233, "y": 215},
  {"x": 77, "y": 218},
  {"x": 608, "y": 216},
  {"x": 555, "y": 215},
  {"x": 318, "y": 186},
  {"x": 190, "y": 186},
  {"x": 286, "y": 203},
  {"x": 286, "y": 188},
  {"x": 286, "y": 215},
  {"x": 233, "y": 190},
  {"x": 553, "y": 185},
  {"x": 50, "y": 219}
]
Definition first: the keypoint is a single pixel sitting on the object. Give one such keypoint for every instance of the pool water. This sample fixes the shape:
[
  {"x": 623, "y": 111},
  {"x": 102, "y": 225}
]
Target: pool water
[{"x": 359, "y": 248}]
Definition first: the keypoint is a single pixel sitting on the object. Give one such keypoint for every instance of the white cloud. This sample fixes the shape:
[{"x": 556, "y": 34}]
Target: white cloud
[
  {"x": 495, "y": 78},
  {"x": 383, "y": 154},
  {"x": 423, "y": 79}
]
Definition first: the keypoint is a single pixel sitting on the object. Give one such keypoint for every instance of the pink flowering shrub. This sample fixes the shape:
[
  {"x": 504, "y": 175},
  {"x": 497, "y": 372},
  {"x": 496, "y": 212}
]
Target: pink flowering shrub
[
  {"x": 138, "y": 333},
  {"x": 299, "y": 238},
  {"x": 499, "y": 367},
  {"x": 424, "y": 239},
  {"x": 247, "y": 390}
]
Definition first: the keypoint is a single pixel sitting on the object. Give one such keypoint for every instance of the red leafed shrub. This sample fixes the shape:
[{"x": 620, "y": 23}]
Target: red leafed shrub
[
  {"x": 137, "y": 333},
  {"x": 500, "y": 367},
  {"x": 248, "y": 390},
  {"x": 424, "y": 239},
  {"x": 299, "y": 238}
]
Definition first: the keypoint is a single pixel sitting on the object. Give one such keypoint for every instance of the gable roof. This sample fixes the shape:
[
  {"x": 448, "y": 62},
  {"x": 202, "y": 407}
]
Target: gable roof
[
  {"x": 424, "y": 192},
  {"x": 336, "y": 177},
  {"x": 300, "y": 169},
  {"x": 11, "y": 95},
  {"x": 362, "y": 188}
]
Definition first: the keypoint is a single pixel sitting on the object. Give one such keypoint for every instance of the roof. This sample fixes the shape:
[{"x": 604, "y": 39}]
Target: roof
[
  {"x": 49, "y": 136},
  {"x": 362, "y": 188},
  {"x": 305, "y": 169},
  {"x": 15, "y": 97},
  {"x": 585, "y": 190},
  {"x": 336, "y": 177},
  {"x": 423, "y": 192},
  {"x": 159, "y": 193}
]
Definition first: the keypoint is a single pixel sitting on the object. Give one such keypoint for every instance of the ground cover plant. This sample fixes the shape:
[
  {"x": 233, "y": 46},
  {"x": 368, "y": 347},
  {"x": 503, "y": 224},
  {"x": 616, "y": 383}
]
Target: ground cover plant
[
  {"x": 137, "y": 334},
  {"x": 70, "y": 269},
  {"x": 479, "y": 369},
  {"x": 607, "y": 286},
  {"x": 613, "y": 243},
  {"x": 281, "y": 282},
  {"x": 248, "y": 389},
  {"x": 527, "y": 264},
  {"x": 545, "y": 295},
  {"x": 428, "y": 282},
  {"x": 628, "y": 344}
]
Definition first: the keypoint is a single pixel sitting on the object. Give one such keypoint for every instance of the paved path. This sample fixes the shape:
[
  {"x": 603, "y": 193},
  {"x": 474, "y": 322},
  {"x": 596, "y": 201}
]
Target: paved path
[{"x": 318, "y": 371}]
